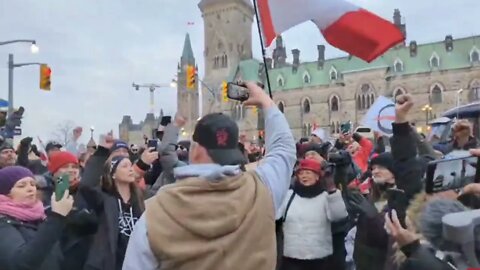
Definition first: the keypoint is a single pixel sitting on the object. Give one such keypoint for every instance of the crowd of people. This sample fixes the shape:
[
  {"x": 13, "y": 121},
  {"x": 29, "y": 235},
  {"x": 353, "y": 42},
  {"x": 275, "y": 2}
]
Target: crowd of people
[{"x": 221, "y": 201}]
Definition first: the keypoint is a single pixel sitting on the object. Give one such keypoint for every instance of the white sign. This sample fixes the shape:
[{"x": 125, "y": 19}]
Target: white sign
[{"x": 381, "y": 116}]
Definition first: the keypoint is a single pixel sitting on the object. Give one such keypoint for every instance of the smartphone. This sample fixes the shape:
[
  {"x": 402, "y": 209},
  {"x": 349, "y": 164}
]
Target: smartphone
[
  {"x": 62, "y": 184},
  {"x": 451, "y": 173},
  {"x": 397, "y": 200},
  {"x": 152, "y": 144},
  {"x": 237, "y": 91}
]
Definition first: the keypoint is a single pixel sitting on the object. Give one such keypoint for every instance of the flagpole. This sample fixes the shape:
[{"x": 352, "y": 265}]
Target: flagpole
[{"x": 263, "y": 48}]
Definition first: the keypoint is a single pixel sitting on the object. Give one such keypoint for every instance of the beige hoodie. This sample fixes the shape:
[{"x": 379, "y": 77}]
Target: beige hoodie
[{"x": 199, "y": 224}]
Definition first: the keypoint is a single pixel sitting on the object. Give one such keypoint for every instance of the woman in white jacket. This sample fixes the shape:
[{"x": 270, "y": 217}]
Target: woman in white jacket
[{"x": 308, "y": 212}]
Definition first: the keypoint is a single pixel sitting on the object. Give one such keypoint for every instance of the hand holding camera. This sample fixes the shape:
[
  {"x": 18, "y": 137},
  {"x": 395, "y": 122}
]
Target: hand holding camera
[{"x": 250, "y": 93}]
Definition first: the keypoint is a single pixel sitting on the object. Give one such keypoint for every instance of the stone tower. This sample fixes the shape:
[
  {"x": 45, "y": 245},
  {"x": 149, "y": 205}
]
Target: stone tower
[
  {"x": 187, "y": 100},
  {"x": 399, "y": 22},
  {"x": 228, "y": 40}
]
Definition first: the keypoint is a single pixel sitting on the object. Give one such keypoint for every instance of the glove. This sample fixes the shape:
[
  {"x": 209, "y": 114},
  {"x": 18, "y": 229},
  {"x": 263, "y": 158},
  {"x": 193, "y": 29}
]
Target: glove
[
  {"x": 26, "y": 141},
  {"x": 361, "y": 205},
  {"x": 341, "y": 158},
  {"x": 35, "y": 150}
]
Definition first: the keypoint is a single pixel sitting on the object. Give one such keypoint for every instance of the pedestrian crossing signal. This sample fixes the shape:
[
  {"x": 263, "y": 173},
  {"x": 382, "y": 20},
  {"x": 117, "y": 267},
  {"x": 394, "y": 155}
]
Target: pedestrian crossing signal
[
  {"x": 45, "y": 77},
  {"x": 225, "y": 91},
  {"x": 191, "y": 77}
]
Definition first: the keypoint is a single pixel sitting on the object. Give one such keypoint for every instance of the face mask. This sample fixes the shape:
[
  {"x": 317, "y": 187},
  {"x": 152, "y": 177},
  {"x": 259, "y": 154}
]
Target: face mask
[{"x": 379, "y": 180}]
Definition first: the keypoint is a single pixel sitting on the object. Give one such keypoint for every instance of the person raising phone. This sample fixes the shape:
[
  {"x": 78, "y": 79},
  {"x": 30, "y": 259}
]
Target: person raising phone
[{"x": 30, "y": 238}]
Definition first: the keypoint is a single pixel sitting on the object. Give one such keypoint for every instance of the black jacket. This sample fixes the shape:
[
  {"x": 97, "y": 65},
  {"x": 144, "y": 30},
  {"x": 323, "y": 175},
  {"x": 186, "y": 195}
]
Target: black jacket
[
  {"x": 104, "y": 245},
  {"x": 31, "y": 246},
  {"x": 372, "y": 243},
  {"x": 35, "y": 166},
  {"x": 422, "y": 258}
]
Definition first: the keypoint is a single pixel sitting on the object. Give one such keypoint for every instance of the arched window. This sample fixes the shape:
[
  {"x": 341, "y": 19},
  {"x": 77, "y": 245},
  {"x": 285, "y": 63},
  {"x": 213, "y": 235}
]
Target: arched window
[
  {"x": 334, "y": 104},
  {"x": 281, "y": 106},
  {"x": 474, "y": 55},
  {"x": 280, "y": 81},
  {"x": 333, "y": 74},
  {"x": 306, "y": 130},
  {"x": 434, "y": 61},
  {"x": 436, "y": 94},
  {"x": 224, "y": 61},
  {"x": 306, "y": 78},
  {"x": 365, "y": 97},
  {"x": 475, "y": 90},
  {"x": 306, "y": 106},
  {"x": 398, "y": 65},
  {"x": 215, "y": 62}
]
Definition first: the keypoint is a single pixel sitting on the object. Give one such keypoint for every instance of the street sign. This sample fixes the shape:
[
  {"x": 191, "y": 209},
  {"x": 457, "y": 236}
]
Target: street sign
[{"x": 17, "y": 132}]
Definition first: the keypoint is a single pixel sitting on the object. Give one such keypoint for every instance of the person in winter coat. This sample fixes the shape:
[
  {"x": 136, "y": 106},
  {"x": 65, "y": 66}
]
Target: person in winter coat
[
  {"x": 216, "y": 215},
  {"x": 400, "y": 170},
  {"x": 118, "y": 203},
  {"x": 309, "y": 211},
  {"x": 8, "y": 157},
  {"x": 60, "y": 163},
  {"x": 463, "y": 138},
  {"x": 360, "y": 149},
  {"x": 169, "y": 158},
  {"x": 29, "y": 238},
  {"x": 141, "y": 166}
]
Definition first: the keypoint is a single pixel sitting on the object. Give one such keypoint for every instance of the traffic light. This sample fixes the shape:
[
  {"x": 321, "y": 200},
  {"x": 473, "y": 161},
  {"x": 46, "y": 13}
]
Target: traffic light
[
  {"x": 191, "y": 77},
  {"x": 225, "y": 91},
  {"x": 255, "y": 110},
  {"x": 45, "y": 73}
]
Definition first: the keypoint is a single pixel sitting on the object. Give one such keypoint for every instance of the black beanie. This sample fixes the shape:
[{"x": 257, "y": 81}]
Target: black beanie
[{"x": 384, "y": 160}]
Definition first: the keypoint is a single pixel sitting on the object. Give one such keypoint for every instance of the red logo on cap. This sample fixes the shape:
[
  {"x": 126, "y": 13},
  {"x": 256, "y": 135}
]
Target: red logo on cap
[{"x": 222, "y": 137}]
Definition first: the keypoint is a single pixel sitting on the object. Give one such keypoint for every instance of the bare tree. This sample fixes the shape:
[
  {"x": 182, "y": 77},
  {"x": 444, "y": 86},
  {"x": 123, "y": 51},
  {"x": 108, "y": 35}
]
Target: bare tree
[{"x": 63, "y": 132}]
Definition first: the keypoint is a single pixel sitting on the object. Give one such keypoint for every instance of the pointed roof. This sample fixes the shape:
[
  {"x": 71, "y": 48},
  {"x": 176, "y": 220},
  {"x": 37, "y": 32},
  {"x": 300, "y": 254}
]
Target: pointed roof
[{"x": 187, "y": 54}]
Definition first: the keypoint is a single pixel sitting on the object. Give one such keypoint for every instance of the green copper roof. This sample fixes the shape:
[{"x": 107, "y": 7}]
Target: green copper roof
[
  {"x": 457, "y": 58},
  {"x": 187, "y": 54}
]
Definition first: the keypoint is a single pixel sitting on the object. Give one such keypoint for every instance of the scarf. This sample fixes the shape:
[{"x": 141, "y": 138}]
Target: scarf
[
  {"x": 308, "y": 191},
  {"x": 21, "y": 211}
]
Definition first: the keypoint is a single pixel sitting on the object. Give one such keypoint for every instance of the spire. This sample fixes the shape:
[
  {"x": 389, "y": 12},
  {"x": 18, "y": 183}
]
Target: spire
[{"x": 187, "y": 55}]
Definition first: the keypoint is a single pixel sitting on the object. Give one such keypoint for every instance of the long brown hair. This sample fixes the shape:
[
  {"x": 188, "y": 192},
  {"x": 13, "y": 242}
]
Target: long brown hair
[{"x": 108, "y": 185}]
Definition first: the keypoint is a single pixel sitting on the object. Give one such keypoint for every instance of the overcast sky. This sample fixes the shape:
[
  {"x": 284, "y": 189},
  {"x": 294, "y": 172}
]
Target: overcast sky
[{"x": 96, "y": 49}]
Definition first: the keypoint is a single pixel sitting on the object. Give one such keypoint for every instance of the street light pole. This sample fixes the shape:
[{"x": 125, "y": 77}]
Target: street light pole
[
  {"x": 10, "y": 84},
  {"x": 459, "y": 92},
  {"x": 11, "y": 66}
]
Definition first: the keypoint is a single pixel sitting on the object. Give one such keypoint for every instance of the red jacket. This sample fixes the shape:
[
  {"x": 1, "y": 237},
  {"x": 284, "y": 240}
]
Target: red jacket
[{"x": 362, "y": 157}]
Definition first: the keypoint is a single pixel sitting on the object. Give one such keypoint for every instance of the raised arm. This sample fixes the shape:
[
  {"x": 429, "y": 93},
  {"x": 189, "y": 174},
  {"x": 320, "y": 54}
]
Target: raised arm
[{"x": 275, "y": 170}]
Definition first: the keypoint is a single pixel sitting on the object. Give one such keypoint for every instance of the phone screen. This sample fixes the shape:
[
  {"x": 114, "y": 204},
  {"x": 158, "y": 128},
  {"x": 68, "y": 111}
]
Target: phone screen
[
  {"x": 237, "y": 92},
  {"x": 451, "y": 173},
  {"x": 152, "y": 143},
  {"x": 62, "y": 183}
]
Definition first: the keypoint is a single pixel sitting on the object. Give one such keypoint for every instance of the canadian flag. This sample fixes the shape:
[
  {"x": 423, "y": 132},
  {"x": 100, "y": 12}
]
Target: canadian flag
[{"x": 343, "y": 24}]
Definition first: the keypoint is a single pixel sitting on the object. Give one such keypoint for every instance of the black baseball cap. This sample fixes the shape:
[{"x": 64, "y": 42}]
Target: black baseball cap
[
  {"x": 52, "y": 145},
  {"x": 218, "y": 133}
]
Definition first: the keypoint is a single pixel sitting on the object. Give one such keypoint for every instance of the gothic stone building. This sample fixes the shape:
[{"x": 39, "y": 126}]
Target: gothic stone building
[
  {"x": 326, "y": 92},
  {"x": 134, "y": 133}
]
